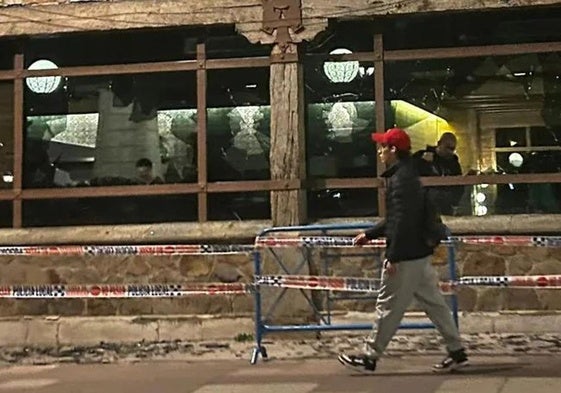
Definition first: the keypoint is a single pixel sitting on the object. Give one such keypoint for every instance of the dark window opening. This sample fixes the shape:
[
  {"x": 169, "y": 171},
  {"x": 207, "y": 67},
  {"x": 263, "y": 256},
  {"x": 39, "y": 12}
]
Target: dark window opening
[
  {"x": 110, "y": 130},
  {"x": 238, "y": 124},
  {"x": 110, "y": 210}
]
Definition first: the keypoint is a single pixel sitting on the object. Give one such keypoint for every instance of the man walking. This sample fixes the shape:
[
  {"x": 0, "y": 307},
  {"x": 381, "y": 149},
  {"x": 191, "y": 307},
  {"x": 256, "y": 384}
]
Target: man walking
[{"x": 407, "y": 272}]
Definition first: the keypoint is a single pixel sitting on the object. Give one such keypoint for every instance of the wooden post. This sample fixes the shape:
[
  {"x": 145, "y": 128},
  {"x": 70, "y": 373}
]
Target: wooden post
[
  {"x": 380, "y": 113},
  {"x": 201, "y": 133},
  {"x": 288, "y": 148},
  {"x": 18, "y": 142}
]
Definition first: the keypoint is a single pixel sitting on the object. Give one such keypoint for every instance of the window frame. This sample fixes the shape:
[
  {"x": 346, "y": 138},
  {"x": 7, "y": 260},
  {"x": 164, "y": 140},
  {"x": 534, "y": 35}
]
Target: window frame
[{"x": 379, "y": 56}]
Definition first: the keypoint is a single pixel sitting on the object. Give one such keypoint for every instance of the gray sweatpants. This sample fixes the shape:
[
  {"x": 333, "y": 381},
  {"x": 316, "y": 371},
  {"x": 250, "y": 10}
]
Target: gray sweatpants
[{"x": 415, "y": 279}]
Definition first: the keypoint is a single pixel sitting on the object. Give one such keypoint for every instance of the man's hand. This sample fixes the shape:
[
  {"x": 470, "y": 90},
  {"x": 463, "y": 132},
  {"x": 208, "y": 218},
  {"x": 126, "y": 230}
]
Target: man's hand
[
  {"x": 389, "y": 267},
  {"x": 360, "y": 239},
  {"x": 428, "y": 156}
]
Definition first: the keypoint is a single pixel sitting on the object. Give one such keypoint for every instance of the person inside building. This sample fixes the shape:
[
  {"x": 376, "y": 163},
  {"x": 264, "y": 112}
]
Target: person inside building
[
  {"x": 407, "y": 271},
  {"x": 441, "y": 160},
  {"x": 145, "y": 172}
]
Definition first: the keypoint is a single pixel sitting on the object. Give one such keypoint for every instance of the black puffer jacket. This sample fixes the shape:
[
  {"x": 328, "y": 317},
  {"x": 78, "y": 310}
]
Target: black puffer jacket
[
  {"x": 403, "y": 226},
  {"x": 446, "y": 197}
]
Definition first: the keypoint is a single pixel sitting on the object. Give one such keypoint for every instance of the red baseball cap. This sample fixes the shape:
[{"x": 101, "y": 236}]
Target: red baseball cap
[{"x": 393, "y": 137}]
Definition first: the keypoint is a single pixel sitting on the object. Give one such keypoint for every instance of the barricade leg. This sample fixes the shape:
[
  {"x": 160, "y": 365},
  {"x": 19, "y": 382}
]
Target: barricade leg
[
  {"x": 258, "y": 349},
  {"x": 453, "y": 278}
]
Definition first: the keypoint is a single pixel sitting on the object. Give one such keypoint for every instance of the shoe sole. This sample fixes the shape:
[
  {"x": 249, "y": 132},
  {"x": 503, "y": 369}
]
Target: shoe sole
[
  {"x": 451, "y": 369},
  {"x": 359, "y": 369}
]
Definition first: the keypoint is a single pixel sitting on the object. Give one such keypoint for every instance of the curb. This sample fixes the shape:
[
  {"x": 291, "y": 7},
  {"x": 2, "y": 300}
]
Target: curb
[{"x": 56, "y": 331}]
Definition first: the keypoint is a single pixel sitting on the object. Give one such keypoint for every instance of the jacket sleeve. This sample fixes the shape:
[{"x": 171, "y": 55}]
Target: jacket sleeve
[
  {"x": 456, "y": 191},
  {"x": 424, "y": 168},
  {"x": 377, "y": 230},
  {"x": 408, "y": 202}
]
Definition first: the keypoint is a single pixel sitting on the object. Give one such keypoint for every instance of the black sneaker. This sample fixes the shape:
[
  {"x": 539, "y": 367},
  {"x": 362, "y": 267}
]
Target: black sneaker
[
  {"x": 455, "y": 360},
  {"x": 359, "y": 363}
]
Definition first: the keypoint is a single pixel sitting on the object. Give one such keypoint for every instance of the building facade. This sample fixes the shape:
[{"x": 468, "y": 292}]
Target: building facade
[{"x": 180, "y": 120}]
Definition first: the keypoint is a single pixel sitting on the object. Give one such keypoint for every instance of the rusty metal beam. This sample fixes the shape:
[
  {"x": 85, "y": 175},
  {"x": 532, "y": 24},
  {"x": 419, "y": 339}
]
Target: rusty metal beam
[
  {"x": 255, "y": 62},
  {"x": 242, "y": 62},
  {"x": 356, "y": 56},
  {"x": 534, "y": 178},
  {"x": 109, "y": 191},
  {"x": 115, "y": 69},
  {"x": 139, "y": 68},
  {"x": 332, "y": 183},
  {"x": 266, "y": 185},
  {"x": 150, "y": 190},
  {"x": 202, "y": 174},
  {"x": 472, "y": 51},
  {"x": 526, "y": 149},
  {"x": 257, "y": 185},
  {"x": 8, "y": 75},
  {"x": 8, "y": 195}
]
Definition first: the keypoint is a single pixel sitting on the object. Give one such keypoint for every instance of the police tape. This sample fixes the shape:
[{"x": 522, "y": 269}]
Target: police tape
[
  {"x": 313, "y": 241},
  {"x": 360, "y": 284},
  {"x": 260, "y": 242},
  {"x": 116, "y": 291},
  {"x": 552, "y": 281},
  {"x": 345, "y": 284},
  {"x": 171, "y": 249},
  {"x": 525, "y": 241},
  {"x": 344, "y": 242}
]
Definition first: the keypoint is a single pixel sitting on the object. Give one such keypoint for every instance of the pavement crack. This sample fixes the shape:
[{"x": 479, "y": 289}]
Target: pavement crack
[{"x": 503, "y": 384}]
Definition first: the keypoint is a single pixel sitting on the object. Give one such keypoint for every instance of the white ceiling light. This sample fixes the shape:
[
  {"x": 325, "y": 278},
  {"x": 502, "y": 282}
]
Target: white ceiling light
[
  {"x": 480, "y": 197},
  {"x": 481, "y": 210},
  {"x": 43, "y": 84},
  {"x": 341, "y": 71},
  {"x": 516, "y": 160}
]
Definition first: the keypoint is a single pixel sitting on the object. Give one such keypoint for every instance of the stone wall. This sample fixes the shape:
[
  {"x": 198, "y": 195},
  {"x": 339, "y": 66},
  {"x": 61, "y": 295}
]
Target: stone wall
[
  {"x": 477, "y": 261},
  {"x": 472, "y": 260},
  {"x": 127, "y": 269}
]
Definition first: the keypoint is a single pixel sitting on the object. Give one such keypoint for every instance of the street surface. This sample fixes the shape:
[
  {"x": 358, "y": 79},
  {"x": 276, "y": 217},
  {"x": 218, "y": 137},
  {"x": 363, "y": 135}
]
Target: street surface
[{"x": 488, "y": 374}]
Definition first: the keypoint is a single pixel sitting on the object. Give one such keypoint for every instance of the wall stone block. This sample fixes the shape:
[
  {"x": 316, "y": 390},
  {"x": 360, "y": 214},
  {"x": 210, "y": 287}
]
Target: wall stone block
[
  {"x": 549, "y": 299},
  {"x": 518, "y": 265},
  {"x": 490, "y": 299},
  {"x": 467, "y": 298},
  {"x": 483, "y": 264},
  {"x": 521, "y": 299}
]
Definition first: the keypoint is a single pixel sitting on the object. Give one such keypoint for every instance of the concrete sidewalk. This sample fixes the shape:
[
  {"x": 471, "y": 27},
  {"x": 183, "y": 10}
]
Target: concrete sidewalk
[
  {"x": 413, "y": 343},
  {"x": 504, "y": 374}
]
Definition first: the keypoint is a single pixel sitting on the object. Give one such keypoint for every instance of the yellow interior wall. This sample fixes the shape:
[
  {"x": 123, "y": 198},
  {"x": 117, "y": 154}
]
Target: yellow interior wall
[{"x": 423, "y": 127}]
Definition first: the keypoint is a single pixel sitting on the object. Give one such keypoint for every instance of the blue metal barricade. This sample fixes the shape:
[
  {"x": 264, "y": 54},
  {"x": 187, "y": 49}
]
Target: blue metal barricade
[{"x": 324, "y": 316}]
